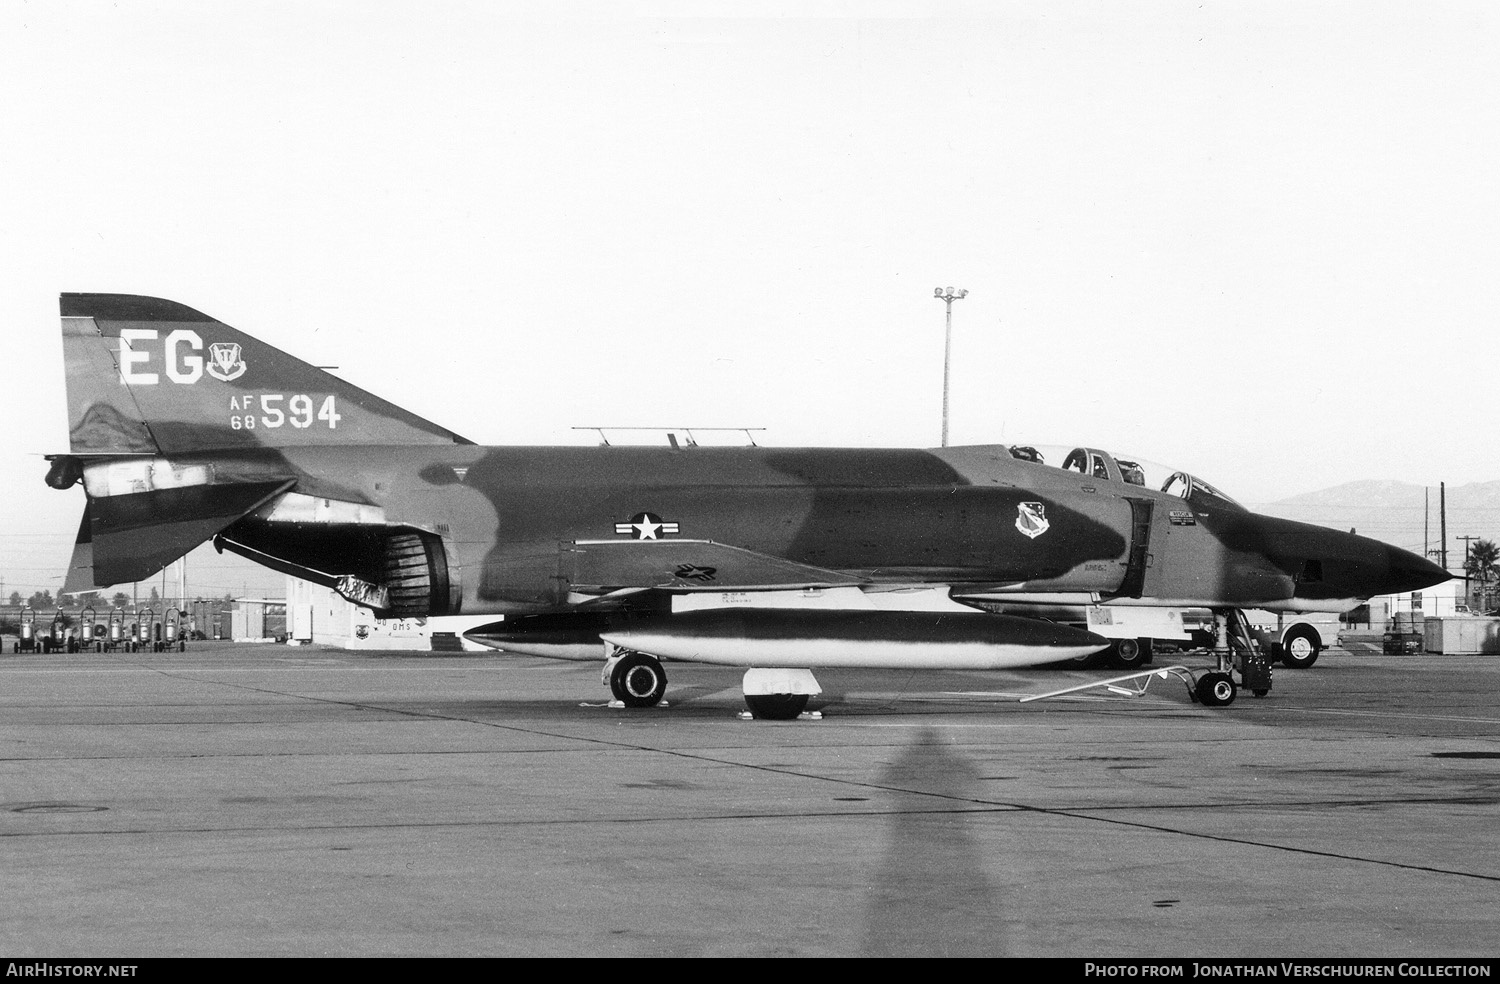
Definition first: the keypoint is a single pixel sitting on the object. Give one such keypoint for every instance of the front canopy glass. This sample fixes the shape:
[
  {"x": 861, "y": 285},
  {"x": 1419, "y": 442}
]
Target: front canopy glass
[{"x": 1124, "y": 469}]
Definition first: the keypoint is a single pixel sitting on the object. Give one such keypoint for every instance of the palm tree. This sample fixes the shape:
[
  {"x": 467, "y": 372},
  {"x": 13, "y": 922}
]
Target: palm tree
[{"x": 1483, "y": 565}]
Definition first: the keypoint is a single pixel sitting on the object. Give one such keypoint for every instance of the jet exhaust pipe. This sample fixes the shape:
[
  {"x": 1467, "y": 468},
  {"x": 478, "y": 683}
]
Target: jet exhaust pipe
[{"x": 857, "y": 639}]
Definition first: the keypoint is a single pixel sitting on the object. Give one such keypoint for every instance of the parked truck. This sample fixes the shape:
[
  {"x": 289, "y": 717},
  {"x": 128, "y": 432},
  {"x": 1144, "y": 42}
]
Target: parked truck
[{"x": 1295, "y": 638}]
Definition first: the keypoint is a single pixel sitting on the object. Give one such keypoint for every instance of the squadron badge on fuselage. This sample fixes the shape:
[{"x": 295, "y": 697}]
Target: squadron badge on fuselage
[
  {"x": 224, "y": 361},
  {"x": 1031, "y": 519},
  {"x": 645, "y": 526}
]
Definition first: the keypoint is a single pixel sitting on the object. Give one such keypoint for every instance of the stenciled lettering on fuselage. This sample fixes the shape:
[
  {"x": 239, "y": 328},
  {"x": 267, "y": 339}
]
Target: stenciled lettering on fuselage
[
  {"x": 1031, "y": 519},
  {"x": 184, "y": 364},
  {"x": 272, "y": 410},
  {"x": 182, "y": 357}
]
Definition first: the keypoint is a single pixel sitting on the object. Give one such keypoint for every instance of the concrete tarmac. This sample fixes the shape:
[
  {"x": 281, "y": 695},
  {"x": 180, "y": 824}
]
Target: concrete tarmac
[{"x": 274, "y": 801}]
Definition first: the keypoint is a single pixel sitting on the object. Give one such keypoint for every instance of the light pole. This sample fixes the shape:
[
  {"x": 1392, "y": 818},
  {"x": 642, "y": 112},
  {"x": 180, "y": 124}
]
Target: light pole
[{"x": 947, "y": 295}]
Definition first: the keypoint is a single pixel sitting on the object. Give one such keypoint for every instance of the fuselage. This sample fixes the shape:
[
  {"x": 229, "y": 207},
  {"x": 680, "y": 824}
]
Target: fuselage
[{"x": 508, "y": 521}]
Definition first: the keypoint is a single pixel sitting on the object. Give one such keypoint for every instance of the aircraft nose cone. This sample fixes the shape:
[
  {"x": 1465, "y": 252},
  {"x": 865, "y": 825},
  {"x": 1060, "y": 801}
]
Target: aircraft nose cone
[{"x": 1406, "y": 571}]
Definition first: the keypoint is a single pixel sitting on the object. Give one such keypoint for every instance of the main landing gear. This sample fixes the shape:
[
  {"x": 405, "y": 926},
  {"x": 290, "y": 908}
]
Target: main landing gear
[{"x": 636, "y": 679}]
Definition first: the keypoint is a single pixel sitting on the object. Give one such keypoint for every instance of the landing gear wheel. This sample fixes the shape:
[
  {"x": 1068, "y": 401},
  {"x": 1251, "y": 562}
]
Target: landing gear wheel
[
  {"x": 1300, "y": 649},
  {"x": 1216, "y": 690},
  {"x": 1127, "y": 654},
  {"x": 638, "y": 680},
  {"x": 776, "y": 707}
]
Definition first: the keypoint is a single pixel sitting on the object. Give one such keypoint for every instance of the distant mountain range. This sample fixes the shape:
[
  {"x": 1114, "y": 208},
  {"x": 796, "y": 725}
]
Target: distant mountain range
[{"x": 1394, "y": 512}]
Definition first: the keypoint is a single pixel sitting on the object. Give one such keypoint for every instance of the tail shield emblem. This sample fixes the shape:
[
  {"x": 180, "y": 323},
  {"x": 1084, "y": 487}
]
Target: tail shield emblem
[
  {"x": 224, "y": 361},
  {"x": 1032, "y": 519}
]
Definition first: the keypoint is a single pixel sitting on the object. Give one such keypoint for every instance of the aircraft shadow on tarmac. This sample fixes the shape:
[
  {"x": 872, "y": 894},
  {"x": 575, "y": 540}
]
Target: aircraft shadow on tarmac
[{"x": 917, "y": 906}]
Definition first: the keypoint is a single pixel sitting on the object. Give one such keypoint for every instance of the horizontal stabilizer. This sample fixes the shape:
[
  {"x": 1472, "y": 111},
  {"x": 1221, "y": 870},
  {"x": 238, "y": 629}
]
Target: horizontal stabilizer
[
  {"x": 131, "y": 537},
  {"x": 687, "y": 565},
  {"x": 80, "y": 574}
]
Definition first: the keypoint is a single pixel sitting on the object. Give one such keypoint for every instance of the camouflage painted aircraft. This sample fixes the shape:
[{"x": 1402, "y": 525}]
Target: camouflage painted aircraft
[{"x": 778, "y": 561}]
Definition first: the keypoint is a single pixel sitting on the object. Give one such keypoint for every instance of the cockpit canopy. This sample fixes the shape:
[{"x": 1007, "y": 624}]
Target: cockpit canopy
[{"x": 1125, "y": 470}]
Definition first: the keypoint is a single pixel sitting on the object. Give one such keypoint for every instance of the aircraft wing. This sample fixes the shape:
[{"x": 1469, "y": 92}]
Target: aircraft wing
[{"x": 687, "y": 565}]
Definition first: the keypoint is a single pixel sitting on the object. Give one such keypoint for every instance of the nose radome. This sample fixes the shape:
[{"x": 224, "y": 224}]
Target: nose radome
[
  {"x": 1407, "y": 571},
  {"x": 1332, "y": 564}
]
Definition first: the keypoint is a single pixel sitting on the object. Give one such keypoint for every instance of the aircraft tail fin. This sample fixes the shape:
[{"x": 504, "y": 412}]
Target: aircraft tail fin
[{"x": 151, "y": 376}]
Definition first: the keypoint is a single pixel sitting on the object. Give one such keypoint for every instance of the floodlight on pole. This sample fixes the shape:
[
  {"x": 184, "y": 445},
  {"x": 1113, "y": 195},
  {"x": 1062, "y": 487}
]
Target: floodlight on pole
[{"x": 947, "y": 295}]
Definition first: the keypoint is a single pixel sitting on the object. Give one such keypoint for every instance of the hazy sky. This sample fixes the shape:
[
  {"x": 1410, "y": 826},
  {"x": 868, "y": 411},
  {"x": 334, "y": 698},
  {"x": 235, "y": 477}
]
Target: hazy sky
[{"x": 1256, "y": 240}]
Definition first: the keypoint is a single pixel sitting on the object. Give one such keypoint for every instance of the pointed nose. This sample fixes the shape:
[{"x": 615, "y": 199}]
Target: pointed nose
[
  {"x": 1331, "y": 565},
  {"x": 1362, "y": 568},
  {"x": 1406, "y": 571}
]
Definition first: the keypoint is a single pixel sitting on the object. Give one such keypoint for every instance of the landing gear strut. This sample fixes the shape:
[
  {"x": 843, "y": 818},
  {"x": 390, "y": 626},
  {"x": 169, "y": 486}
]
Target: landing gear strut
[{"x": 1237, "y": 655}]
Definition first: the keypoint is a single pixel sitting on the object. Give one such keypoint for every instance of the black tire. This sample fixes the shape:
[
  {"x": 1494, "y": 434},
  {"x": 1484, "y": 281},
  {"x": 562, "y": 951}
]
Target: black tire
[
  {"x": 1300, "y": 648},
  {"x": 1216, "y": 690},
  {"x": 1260, "y": 693},
  {"x": 1127, "y": 654},
  {"x": 776, "y": 707},
  {"x": 638, "y": 680}
]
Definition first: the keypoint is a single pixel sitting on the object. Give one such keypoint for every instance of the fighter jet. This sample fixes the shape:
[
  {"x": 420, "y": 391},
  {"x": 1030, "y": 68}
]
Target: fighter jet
[{"x": 778, "y": 561}]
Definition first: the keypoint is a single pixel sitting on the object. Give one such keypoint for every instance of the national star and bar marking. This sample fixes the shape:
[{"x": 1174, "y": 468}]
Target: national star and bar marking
[{"x": 646, "y": 526}]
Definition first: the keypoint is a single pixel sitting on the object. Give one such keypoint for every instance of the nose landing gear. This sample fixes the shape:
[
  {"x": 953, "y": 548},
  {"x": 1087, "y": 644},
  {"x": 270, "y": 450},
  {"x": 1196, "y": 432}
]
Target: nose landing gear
[{"x": 1237, "y": 655}]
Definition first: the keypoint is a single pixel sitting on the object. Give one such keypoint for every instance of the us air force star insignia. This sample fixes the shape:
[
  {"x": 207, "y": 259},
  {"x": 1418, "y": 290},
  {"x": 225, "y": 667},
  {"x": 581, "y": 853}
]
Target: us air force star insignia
[
  {"x": 1031, "y": 519},
  {"x": 645, "y": 526},
  {"x": 693, "y": 572}
]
